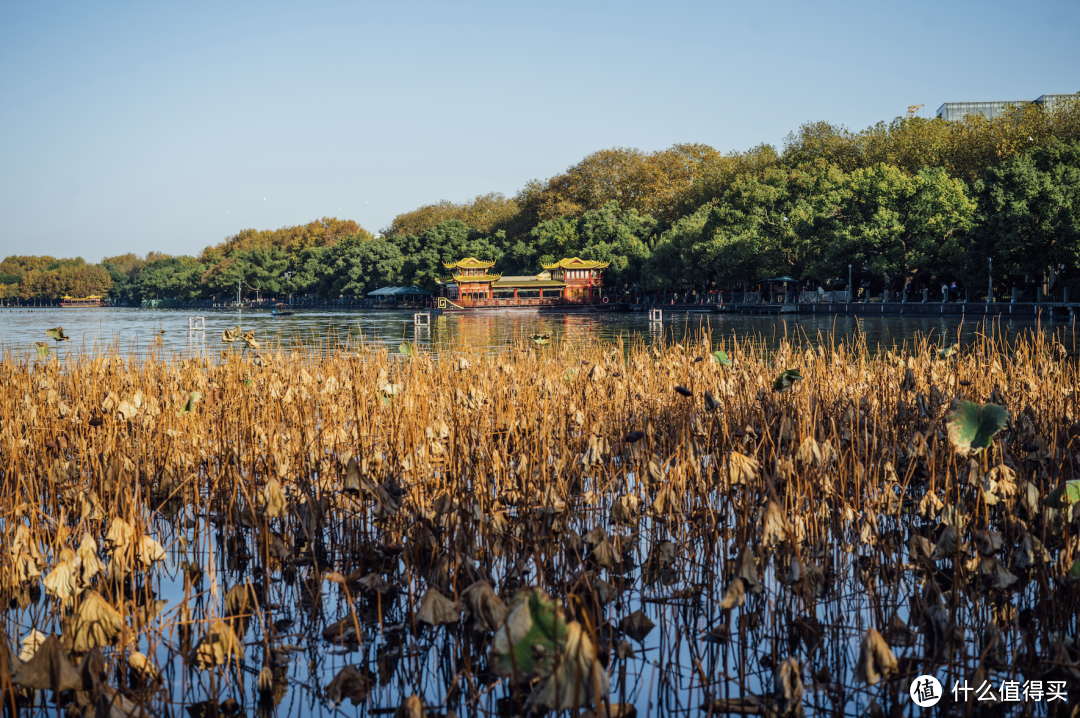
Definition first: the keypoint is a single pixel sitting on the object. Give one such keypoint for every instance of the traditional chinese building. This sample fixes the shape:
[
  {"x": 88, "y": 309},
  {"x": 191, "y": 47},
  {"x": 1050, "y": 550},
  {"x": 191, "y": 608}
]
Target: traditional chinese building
[
  {"x": 94, "y": 300},
  {"x": 581, "y": 278},
  {"x": 568, "y": 281}
]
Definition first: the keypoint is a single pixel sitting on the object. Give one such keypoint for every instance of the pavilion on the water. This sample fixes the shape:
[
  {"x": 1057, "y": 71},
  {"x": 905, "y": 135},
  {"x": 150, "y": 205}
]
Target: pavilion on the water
[{"x": 568, "y": 281}]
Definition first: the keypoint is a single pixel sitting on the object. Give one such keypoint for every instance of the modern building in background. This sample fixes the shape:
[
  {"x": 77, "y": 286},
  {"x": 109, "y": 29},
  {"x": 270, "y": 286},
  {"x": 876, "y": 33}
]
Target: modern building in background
[{"x": 957, "y": 110}]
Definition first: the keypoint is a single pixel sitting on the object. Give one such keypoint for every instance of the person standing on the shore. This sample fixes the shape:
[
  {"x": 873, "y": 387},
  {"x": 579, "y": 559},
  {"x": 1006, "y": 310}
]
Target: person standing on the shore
[
  {"x": 944, "y": 292},
  {"x": 954, "y": 292}
]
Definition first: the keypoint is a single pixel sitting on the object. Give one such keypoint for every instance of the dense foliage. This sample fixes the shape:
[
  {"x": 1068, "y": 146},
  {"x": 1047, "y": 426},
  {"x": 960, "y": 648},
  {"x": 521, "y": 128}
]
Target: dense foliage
[{"x": 904, "y": 201}]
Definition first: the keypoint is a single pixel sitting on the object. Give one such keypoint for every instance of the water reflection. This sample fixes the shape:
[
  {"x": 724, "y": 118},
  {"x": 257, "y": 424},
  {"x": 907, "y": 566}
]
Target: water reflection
[{"x": 136, "y": 332}]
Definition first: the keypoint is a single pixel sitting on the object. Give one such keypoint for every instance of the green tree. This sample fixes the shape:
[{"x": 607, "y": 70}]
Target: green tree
[
  {"x": 780, "y": 210},
  {"x": 1029, "y": 214},
  {"x": 259, "y": 269},
  {"x": 357, "y": 267},
  {"x": 619, "y": 238},
  {"x": 487, "y": 213},
  {"x": 307, "y": 267},
  {"x": 894, "y": 224},
  {"x": 446, "y": 242},
  {"x": 608, "y": 234},
  {"x": 168, "y": 278}
]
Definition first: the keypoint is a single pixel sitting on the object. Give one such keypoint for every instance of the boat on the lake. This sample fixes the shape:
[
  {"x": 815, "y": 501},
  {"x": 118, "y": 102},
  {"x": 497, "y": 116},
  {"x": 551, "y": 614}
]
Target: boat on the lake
[
  {"x": 568, "y": 285},
  {"x": 279, "y": 310},
  {"x": 94, "y": 300}
]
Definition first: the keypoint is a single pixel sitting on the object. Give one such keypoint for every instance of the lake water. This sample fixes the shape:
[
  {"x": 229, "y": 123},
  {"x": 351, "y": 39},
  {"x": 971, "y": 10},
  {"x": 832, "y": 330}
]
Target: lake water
[{"x": 133, "y": 331}]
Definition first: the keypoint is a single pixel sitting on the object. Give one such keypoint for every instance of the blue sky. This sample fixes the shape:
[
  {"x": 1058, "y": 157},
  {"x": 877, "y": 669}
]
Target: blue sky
[{"x": 157, "y": 126}]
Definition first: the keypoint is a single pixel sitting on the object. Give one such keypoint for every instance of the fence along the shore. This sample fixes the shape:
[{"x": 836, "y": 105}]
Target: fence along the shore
[{"x": 815, "y": 297}]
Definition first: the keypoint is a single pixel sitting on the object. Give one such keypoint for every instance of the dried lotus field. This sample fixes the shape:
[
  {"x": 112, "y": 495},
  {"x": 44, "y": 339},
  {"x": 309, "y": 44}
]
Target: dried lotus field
[{"x": 693, "y": 528}]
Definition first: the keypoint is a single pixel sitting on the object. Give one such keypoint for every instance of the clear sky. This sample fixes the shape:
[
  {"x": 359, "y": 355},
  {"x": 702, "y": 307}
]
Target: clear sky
[{"x": 169, "y": 126}]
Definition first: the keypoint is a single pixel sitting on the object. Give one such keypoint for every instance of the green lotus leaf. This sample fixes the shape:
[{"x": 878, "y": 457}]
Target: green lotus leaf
[
  {"x": 406, "y": 349},
  {"x": 721, "y": 358},
  {"x": 42, "y": 349},
  {"x": 1064, "y": 496},
  {"x": 785, "y": 381},
  {"x": 541, "y": 339},
  {"x": 189, "y": 405},
  {"x": 58, "y": 334},
  {"x": 972, "y": 427},
  {"x": 546, "y": 631}
]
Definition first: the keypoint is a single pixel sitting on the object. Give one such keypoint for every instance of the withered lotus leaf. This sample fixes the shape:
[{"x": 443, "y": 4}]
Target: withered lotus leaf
[
  {"x": 273, "y": 500},
  {"x": 578, "y": 679},
  {"x": 809, "y": 452},
  {"x": 948, "y": 544},
  {"x": 605, "y": 555},
  {"x": 342, "y": 632},
  {"x": 734, "y": 596},
  {"x": 436, "y": 609},
  {"x": 899, "y": 634},
  {"x": 876, "y": 659},
  {"x": 788, "y": 688},
  {"x": 216, "y": 647},
  {"x": 96, "y": 624},
  {"x": 486, "y": 610},
  {"x": 89, "y": 564},
  {"x": 742, "y": 469},
  {"x": 126, "y": 410},
  {"x": 63, "y": 581},
  {"x": 995, "y": 573},
  {"x": 636, "y": 625},
  {"x": 348, "y": 683},
  {"x": 711, "y": 404},
  {"x": 48, "y": 669},
  {"x": 1029, "y": 553},
  {"x": 121, "y": 535},
  {"x": 31, "y": 643},
  {"x": 773, "y": 525},
  {"x": 626, "y": 510},
  {"x": 411, "y": 707},
  {"x": 143, "y": 666},
  {"x": 372, "y": 584},
  {"x": 746, "y": 569},
  {"x": 149, "y": 551},
  {"x": 988, "y": 542}
]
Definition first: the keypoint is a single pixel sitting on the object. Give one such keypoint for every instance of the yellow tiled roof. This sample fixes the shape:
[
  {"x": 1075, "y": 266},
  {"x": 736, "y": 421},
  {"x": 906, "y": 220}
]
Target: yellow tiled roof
[
  {"x": 526, "y": 283},
  {"x": 469, "y": 263},
  {"x": 461, "y": 279},
  {"x": 576, "y": 263}
]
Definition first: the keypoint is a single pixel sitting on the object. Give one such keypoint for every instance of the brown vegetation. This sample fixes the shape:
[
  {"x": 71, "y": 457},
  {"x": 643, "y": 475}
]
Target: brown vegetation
[{"x": 531, "y": 515}]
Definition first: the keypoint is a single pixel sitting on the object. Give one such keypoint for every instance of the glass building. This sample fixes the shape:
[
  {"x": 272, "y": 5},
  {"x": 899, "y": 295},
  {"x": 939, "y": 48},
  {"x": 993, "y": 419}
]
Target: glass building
[{"x": 958, "y": 110}]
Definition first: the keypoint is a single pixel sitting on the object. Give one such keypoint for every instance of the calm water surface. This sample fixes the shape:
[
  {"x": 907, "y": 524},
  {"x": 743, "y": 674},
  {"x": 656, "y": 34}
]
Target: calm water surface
[{"x": 137, "y": 331}]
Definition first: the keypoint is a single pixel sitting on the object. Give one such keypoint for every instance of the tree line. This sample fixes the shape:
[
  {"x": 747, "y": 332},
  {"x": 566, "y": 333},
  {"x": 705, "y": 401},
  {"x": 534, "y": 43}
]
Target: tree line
[{"x": 901, "y": 201}]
